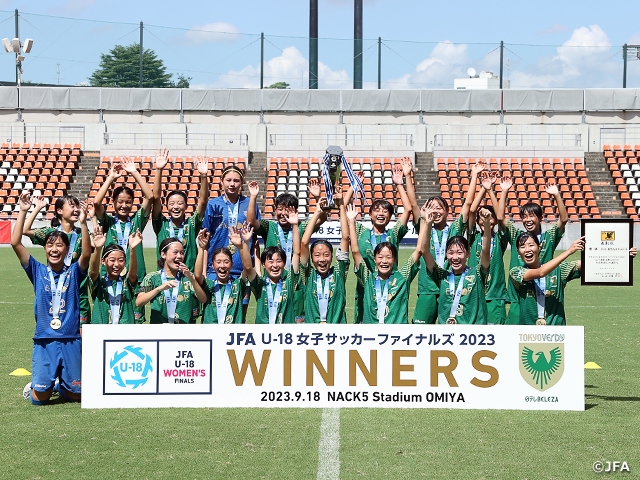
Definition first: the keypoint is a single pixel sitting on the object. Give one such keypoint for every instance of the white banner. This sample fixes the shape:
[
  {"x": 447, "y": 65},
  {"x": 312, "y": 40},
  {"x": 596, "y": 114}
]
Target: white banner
[
  {"x": 331, "y": 231},
  {"x": 392, "y": 366}
]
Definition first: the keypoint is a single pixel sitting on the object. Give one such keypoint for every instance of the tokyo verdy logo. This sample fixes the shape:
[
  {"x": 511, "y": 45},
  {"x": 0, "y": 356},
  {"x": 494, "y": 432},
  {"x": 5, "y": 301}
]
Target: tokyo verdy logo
[
  {"x": 541, "y": 364},
  {"x": 131, "y": 367}
]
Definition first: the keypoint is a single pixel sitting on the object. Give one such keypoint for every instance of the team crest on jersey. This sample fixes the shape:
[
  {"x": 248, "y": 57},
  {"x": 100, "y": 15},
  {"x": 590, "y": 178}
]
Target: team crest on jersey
[{"x": 553, "y": 281}]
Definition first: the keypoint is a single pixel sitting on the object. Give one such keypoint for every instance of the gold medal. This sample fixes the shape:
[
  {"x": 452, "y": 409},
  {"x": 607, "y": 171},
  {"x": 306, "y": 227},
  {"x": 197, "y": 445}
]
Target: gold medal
[
  {"x": 547, "y": 293},
  {"x": 55, "y": 323},
  {"x": 541, "y": 321},
  {"x": 123, "y": 272},
  {"x": 232, "y": 248},
  {"x": 451, "y": 321}
]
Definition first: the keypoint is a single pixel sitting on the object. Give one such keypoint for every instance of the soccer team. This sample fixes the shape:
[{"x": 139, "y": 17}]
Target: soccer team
[{"x": 210, "y": 262}]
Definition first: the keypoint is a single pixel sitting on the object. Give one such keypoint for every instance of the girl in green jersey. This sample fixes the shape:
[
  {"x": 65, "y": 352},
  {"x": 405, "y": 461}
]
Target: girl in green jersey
[
  {"x": 113, "y": 294},
  {"x": 173, "y": 291}
]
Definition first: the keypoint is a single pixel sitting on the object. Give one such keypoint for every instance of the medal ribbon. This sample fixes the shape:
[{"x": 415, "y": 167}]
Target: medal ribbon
[
  {"x": 171, "y": 296},
  {"x": 540, "y": 286},
  {"x": 123, "y": 239},
  {"x": 287, "y": 245},
  {"x": 323, "y": 295},
  {"x": 72, "y": 246},
  {"x": 381, "y": 298},
  {"x": 274, "y": 301},
  {"x": 56, "y": 291},
  {"x": 172, "y": 232},
  {"x": 222, "y": 301},
  {"x": 374, "y": 241},
  {"x": 328, "y": 186},
  {"x": 440, "y": 247},
  {"x": 455, "y": 301},
  {"x": 115, "y": 297},
  {"x": 232, "y": 213}
]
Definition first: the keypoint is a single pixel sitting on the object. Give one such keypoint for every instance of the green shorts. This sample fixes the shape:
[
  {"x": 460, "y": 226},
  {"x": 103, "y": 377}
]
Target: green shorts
[
  {"x": 426, "y": 309},
  {"x": 496, "y": 312},
  {"x": 514, "y": 314}
]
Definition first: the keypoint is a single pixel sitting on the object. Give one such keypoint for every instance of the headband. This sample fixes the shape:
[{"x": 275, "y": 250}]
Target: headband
[
  {"x": 233, "y": 168},
  {"x": 169, "y": 244},
  {"x": 110, "y": 249}
]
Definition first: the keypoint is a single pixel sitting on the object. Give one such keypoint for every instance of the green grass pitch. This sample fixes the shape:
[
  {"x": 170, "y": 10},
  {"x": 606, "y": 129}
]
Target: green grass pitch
[{"x": 64, "y": 441}]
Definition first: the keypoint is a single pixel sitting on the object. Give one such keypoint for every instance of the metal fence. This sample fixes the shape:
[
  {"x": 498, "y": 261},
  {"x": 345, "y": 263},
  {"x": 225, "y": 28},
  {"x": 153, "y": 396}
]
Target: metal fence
[
  {"x": 186, "y": 138},
  {"x": 508, "y": 140},
  {"x": 22, "y": 133},
  {"x": 344, "y": 140},
  {"x": 620, "y": 136}
]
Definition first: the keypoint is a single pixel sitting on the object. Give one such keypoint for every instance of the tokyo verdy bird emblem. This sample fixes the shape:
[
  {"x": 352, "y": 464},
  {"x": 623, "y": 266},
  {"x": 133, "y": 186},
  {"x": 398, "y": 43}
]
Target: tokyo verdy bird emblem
[{"x": 541, "y": 364}]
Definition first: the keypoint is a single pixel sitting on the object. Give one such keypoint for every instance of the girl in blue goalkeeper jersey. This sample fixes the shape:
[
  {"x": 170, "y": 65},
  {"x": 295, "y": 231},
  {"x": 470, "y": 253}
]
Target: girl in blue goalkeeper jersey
[{"x": 56, "y": 341}]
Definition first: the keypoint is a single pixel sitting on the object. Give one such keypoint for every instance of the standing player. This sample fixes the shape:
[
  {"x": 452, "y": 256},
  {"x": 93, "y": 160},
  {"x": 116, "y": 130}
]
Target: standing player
[
  {"x": 118, "y": 228},
  {"x": 461, "y": 288},
  {"x": 381, "y": 212},
  {"x": 275, "y": 290},
  {"x": 496, "y": 287},
  {"x": 427, "y": 305},
  {"x": 224, "y": 212},
  {"x": 173, "y": 291},
  {"x": 224, "y": 294},
  {"x": 176, "y": 224},
  {"x": 113, "y": 293},
  {"x": 56, "y": 341},
  {"x": 531, "y": 215},
  {"x": 66, "y": 214},
  {"x": 325, "y": 285},
  {"x": 386, "y": 289}
]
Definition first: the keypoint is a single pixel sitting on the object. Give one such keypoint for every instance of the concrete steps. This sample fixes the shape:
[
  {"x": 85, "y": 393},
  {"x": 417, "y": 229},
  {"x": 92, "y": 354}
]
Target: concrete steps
[
  {"x": 84, "y": 175},
  {"x": 604, "y": 188}
]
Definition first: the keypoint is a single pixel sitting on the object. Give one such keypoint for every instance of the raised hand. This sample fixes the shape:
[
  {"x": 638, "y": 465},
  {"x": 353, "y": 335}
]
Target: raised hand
[
  {"x": 91, "y": 209},
  {"x": 314, "y": 188},
  {"x": 25, "y": 201},
  {"x": 488, "y": 180},
  {"x": 247, "y": 233},
  {"x": 128, "y": 165},
  {"x": 337, "y": 196},
  {"x": 506, "y": 183},
  {"x": 427, "y": 214},
  {"x": 479, "y": 167},
  {"x": 397, "y": 176},
  {"x": 99, "y": 238},
  {"x": 82, "y": 218},
  {"x": 254, "y": 189},
  {"x": 162, "y": 158},
  {"x": 407, "y": 166},
  {"x": 116, "y": 170},
  {"x": 292, "y": 216},
  {"x": 485, "y": 215},
  {"x": 185, "y": 271},
  {"x": 322, "y": 203},
  {"x": 352, "y": 213},
  {"x": 202, "y": 165},
  {"x": 552, "y": 188},
  {"x": 235, "y": 236},
  {"x": 203, "y": 238},
  {"x": 40, "y": 201},
  {"x": 135, "y": 239}
]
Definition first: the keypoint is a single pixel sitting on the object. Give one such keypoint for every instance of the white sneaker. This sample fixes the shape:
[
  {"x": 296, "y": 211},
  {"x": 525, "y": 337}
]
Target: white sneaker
[
  {"x": 26, "y": 391},
  {"x": 55, "y": 393}
]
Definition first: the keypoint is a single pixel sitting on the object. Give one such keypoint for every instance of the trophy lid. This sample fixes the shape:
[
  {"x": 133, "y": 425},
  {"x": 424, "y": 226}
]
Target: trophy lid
[{"x": 334, "y": 150}]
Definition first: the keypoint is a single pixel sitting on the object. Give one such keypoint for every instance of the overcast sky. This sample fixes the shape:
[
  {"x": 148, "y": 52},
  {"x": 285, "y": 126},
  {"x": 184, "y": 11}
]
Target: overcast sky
[{"x": 424, "y": 44}]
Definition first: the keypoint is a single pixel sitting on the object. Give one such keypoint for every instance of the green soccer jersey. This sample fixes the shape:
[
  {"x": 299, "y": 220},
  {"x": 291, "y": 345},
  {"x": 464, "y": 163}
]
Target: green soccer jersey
[
  {"x": 472, "y": 308},
  {"x": 110, "y": 225},
  {"x": 398, "y": 284},
  {"x": 336, "y": 281},
  {"x": 426, "y": 285},
  {"x": 101, "y": 307},
  {"x": 549, "y": 241},
  {"x": 555, "y": 284},
  {"x": 165, "y": 228},
  {"x": 187, "y": 306},
  {"x": 285, "y": 312},
  {"x": 496, "y": 286},
  {"x": 233, "y": 313},
  {"x": 39, "y": 234},
  {"x": 367, "y": 246}
]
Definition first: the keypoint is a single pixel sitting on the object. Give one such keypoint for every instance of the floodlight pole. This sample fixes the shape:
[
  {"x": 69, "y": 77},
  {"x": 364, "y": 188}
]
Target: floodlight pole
[
  {"x": 624, "y": 65},
  {"x": 379, "y": 63},
  {"x": 262, "y": 60},
  {"x": 357, "y": 44},
  {"x": 141, "y": 51},
  {"x": 501, "y": 62},
  {"x": 313, "y": 44},
  {"x": 17, "y": 36}
]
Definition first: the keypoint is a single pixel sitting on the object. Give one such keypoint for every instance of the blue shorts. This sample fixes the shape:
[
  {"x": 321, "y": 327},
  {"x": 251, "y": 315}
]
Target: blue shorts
[{"x": 57, "y": 359}]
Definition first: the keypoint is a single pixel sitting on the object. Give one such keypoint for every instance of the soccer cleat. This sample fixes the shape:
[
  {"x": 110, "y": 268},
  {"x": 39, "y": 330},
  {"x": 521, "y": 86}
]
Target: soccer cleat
[
  {"x": 26, "y": 391},
  {"x": 55, "y": 393}
]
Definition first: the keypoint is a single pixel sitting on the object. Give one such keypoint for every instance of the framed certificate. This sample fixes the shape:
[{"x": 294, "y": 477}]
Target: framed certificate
[{"x": 605, "y": 259}]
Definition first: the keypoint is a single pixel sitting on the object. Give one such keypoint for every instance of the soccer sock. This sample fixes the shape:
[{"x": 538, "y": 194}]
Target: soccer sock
[{"x": 37, "y": 402}]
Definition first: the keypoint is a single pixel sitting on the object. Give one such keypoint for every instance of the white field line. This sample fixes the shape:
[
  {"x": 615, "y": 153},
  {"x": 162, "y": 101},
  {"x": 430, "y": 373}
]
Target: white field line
[{"x": 329, "y": 446}]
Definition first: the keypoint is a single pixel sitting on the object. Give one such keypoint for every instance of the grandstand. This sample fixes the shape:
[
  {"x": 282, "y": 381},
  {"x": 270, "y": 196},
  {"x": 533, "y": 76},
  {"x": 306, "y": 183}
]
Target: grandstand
[{"x": 278, "y": 137}]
